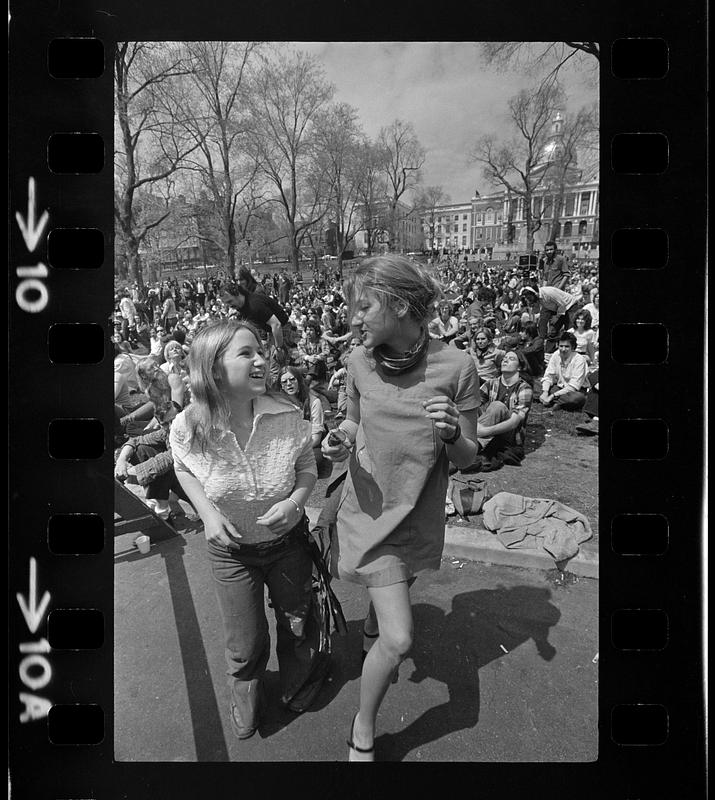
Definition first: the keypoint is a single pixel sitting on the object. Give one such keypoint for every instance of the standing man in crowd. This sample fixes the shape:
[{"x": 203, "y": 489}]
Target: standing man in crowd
[
  {"x": 128, "y": 311},
  {"x": 554, "y": 269},
  {"x": 558, "y": 309}
]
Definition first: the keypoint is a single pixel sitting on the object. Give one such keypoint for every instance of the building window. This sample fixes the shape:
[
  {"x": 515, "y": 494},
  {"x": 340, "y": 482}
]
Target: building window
[
  {"x": 583, "y": 206},
  {"x": 464, "y": 226},
  {"x": 464, "y": 241},
  {"x": 456, "y": 217},
  {"x": 582, "y": 227},
  {"x": 567, "y": 228},
  {"x": 536, "y": 205},
  {"x": 464, "y": 216},
  {"x": 569, "y": 205},
  {"x": 548, "y": 206},
  {"x": 489, "y": 217},
  {"x": 479, "y": 217}
]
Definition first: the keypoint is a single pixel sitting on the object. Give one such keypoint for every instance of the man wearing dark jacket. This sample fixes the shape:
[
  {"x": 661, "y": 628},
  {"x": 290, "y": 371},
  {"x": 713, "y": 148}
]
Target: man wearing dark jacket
[{"x": 555, "y": 270}]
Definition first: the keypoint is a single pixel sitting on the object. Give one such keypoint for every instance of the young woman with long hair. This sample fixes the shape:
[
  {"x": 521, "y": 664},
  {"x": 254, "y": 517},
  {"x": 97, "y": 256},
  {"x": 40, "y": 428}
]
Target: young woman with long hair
[
  {"x": 412, "y": 408},
  {"x": 244, "y": 457}
]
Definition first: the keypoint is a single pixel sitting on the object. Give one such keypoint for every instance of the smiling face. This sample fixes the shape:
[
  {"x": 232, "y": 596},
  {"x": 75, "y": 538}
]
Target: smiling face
[{"x": 243, "y": 366}]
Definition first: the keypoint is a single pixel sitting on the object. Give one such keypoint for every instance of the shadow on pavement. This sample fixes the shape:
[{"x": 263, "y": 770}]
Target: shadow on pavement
[
  {"x": 205, "y": 717},
  {"x": 345, "y": 666},
  {"x": 452, "y": 647}
]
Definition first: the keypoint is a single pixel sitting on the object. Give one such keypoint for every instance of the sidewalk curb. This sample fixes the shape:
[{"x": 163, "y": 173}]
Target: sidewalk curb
[{"x": 477, "y": 544}]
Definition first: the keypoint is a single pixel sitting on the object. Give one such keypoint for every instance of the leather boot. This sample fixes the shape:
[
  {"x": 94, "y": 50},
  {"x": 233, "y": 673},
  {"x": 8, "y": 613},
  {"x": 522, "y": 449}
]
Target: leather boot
[{"x": 246, "y": 701}]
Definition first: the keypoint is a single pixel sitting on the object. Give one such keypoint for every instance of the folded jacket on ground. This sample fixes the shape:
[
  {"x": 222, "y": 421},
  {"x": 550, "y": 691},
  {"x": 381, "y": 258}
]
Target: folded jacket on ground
[{"x": 536, "y": 523}]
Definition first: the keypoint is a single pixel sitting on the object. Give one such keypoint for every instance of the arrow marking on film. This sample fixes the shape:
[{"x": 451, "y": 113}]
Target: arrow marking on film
[
  {"x": 30, "y": 610},
  {"x": 31, "y": 232}
]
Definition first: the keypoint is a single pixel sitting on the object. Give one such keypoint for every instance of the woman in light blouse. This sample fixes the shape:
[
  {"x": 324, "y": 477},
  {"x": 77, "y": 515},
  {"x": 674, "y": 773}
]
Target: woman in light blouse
[{"x": 244, "y": 457}]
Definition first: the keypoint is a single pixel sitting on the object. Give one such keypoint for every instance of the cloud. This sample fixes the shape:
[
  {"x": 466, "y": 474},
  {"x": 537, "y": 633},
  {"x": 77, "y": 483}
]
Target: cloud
[{"x": 443, "y": 88}]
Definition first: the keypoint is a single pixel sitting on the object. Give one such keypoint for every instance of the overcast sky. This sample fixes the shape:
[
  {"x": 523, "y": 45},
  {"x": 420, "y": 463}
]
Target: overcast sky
[{"x": 443, "y": 88}]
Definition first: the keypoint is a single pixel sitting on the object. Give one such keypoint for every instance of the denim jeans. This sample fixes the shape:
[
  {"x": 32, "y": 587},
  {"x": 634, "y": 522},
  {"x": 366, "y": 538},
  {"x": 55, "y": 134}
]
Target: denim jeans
[{"x": 240, "y": 574}]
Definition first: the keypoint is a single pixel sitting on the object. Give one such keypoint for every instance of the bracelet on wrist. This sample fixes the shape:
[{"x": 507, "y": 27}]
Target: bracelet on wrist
[
  {"x": 455, "y": 436},
  {"x": 300, "y": 510}
]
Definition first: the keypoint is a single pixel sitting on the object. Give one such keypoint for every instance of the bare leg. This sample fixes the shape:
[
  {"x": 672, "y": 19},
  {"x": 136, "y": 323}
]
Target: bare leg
[{"x": 391, "y": 605}]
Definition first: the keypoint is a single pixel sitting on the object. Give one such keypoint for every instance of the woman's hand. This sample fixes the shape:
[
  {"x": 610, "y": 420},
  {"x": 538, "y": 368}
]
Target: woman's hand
[
  {"x": 444, "y": 413},
  {"x": 219, "y": 530},
  {"x": 121, "y": 470},
  {"x": 333, "y": 450},
  {"x": 281, "y": 517}
]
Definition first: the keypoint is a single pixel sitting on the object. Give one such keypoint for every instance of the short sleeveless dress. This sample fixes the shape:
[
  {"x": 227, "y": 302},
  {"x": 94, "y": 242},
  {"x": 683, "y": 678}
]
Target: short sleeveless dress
[{"x": 391, "y": 516}]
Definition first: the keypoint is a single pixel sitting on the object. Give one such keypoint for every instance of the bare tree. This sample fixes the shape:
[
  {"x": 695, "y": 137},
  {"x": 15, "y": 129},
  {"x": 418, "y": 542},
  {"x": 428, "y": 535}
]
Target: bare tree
[
  {"x": 339, "y": 142},
  {"x": 405, "y": 157},
  {"x": 547, "y": 58},
  {"x": 517, "y": 165},
  {"x": 150, "y": 144},
  {"x": 215, "y": 116},
  {"x": 427, "y": 200},
  {"x": 371, "y": 162},
  {"x": 579, "y": 133},
  {"x": 289, "y": 93}
]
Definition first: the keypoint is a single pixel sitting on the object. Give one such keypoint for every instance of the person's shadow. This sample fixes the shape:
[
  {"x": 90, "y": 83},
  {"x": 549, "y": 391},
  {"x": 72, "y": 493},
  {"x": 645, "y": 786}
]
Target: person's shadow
[{"x": 452, "y": 647}]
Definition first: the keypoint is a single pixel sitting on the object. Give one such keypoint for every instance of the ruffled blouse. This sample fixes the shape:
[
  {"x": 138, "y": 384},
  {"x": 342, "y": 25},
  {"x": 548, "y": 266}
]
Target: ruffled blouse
[{"x": 244, "y": 483}]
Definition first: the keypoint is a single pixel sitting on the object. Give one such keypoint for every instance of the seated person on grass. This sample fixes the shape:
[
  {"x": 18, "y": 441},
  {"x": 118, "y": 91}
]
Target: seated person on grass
[
  {"x": 590, "y": 428},
  {"x": 506, "y": 401},
  {"x": 147, "y": 458},
  {"x": 565, "y": 379}
]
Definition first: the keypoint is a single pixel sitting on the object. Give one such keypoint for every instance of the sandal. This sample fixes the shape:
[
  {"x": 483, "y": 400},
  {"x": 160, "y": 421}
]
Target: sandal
[{"x": 353, "y": 746}]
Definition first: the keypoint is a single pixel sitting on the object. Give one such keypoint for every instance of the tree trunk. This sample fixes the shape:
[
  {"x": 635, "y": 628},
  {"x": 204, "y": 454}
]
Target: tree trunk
[
  {"x": 295, "y": 256},
  {"x": 231, "y": 248},
  {"x": 134, "y": 261},
  {"x": 529, "y": 225}
]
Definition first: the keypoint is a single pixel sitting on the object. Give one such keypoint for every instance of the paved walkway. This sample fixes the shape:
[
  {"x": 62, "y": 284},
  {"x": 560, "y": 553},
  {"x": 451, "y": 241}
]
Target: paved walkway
[{"x": 502, "y": 668}]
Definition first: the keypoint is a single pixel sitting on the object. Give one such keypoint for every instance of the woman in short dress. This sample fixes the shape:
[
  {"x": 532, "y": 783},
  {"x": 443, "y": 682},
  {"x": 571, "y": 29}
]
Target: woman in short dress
[{"x": 412, "y": 409}]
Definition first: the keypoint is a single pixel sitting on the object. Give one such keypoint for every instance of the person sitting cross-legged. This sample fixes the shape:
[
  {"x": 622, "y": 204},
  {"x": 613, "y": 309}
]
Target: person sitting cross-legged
[
  {"x": 565, "y": 379},
  {"x": 506, "y": 401},
  {"x": 590, "y": 428}
]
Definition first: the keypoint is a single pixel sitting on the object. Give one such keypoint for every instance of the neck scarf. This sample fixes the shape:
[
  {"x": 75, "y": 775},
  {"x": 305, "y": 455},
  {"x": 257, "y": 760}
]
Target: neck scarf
[{"x": 396, "y": 365}]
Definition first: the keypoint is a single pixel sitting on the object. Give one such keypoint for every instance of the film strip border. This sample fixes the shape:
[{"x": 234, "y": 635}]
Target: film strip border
[{"x": 62, "y": 252}]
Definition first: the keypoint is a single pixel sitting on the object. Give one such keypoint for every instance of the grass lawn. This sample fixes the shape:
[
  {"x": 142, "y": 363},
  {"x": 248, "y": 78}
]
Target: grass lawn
[{"x": 559, "y": 465}]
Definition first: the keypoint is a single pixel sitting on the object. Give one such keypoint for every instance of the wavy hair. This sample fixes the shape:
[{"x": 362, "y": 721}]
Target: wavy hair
[
  {"x": 302, "y": 396},
  {"x": 210, "y": 411},
  {"x": 395, "y": 280}
]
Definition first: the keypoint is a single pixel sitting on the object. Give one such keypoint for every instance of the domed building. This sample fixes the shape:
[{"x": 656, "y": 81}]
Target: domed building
[{"x": 566, "y": 200}]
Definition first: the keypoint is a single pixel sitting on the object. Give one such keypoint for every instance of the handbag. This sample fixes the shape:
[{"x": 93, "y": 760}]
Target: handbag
[{"x": 468, "y": 495}]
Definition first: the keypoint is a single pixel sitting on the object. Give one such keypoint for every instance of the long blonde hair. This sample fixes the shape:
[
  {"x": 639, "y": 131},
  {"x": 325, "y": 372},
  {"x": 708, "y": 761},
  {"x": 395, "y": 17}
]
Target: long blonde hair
[
  {"x": 209, "y": 411},
  {"x": 395, "y": 280}
]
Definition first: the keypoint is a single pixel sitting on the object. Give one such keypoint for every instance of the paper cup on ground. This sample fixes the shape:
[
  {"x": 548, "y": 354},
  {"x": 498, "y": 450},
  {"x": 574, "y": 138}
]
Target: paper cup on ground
[{"x": 143, "y": 543}]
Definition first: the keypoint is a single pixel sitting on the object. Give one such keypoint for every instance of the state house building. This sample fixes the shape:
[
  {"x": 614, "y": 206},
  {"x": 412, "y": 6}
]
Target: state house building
[{"x": 494, "y": 224}]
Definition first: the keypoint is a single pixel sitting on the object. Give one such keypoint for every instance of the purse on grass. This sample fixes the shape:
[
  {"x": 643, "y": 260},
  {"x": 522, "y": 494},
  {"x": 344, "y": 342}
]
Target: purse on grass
[{"x": 467, "y": 494}]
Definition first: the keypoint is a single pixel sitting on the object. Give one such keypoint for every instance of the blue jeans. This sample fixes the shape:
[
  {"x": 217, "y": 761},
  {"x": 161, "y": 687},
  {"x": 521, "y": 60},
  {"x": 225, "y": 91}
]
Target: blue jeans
[{"x": 240, "y": 573}]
